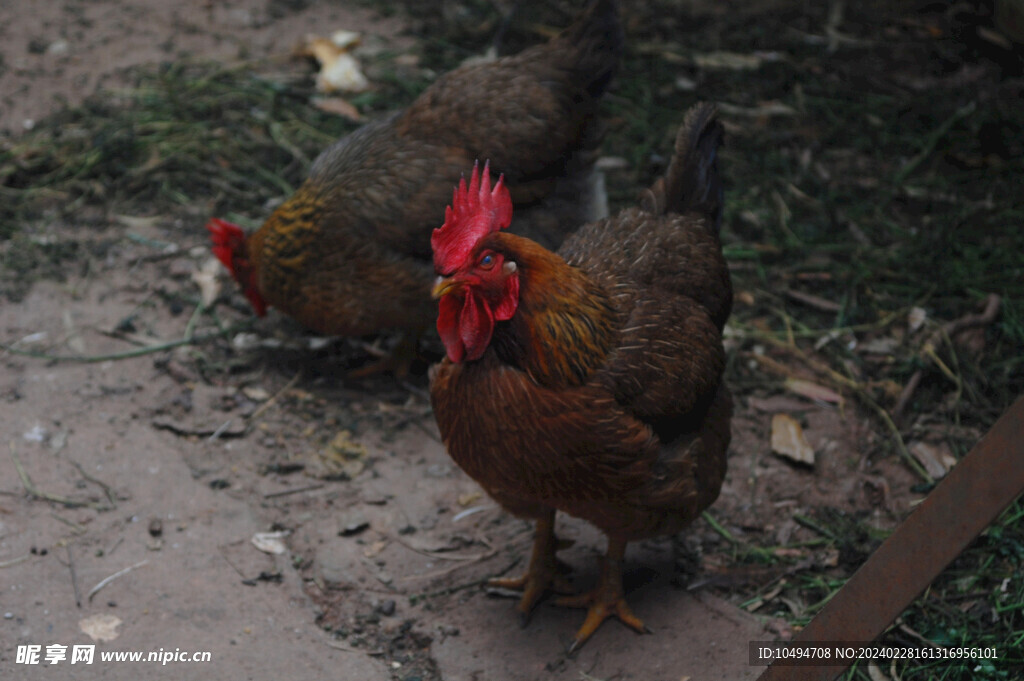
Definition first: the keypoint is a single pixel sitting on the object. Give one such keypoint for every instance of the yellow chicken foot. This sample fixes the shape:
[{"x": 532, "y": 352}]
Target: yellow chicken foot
[
  {"x": 606, "y": 599},
  {"x": 543, "y": 572}
]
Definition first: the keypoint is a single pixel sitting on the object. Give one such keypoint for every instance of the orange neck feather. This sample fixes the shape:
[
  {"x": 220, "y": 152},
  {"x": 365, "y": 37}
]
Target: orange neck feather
[{"x": 565, "y": 324}]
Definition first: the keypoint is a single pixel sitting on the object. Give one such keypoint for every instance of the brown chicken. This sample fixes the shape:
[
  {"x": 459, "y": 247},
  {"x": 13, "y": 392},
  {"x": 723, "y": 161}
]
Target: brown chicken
[
  {"x": 349, "y": 253},
  {"x": 590, "y": 381}
]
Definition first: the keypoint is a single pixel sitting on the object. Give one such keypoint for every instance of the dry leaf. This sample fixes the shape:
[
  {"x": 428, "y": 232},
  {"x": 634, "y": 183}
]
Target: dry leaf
[
  {"x": 760, "y": 111},
  {"x": 685, "y": 84},
  {"x": 789, "y": 441},
  {"x": 342, "y": 458},
  {"x": 344, "y": 446},
  {"x": 745, "y": 297},
  {"x": 256, "y": 394},
  {"x": 754, "y": 605},
  {"x": 100, "y": 627},
  {"x": 339, "y": 106},
  {"x": 137, "y": 221},
  {"x": 375, "y": 548},
  {"x": 270, "y": 542},
  {"x": 206, "y": 279},
  {"x": 916, "y": 318},
  {"x": 346, "y": 40},
  {"x": 467, "y": 499},
  {"x": 875, "y": 673},
  {"x": 829, "y": 558},
  {"x": 879, "y": 346},
  {"x": 733, "y": 61},
  {"x": 612, "y": 163},
  {"x": 813, "y": 391},
  {"x": 937, "y": 460},
  {"x": 777, "y": 403},
  {"x": 339, "y": 70}
]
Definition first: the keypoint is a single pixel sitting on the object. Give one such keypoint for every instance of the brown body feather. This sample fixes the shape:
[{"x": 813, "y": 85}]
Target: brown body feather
[
  {"x": 349, "y": 252},
  {"x": 602, "y": 397}
]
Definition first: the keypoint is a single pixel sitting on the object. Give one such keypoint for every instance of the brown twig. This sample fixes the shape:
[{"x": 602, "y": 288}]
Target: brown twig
[
  {"x": 817, "y": 302},
  {"x": 251, "y": 419},
  {"x": 947, "y": 330},
  {"x": 110, "y": 552},
  {"x": 74, "y": 577},
  {"x": 340, "y": 646},
  {"x": 297, "y": 490},
  {"x": 441, "y": 553},
  {"x": 270, "y": 402},
  {"x": 15, "y": 561},
  {"x": 120, "y": 573},
  {"x": 35, "y": 491},
  {"x": 220, "y": 550},
  {"x": 73, "y": 525},
  {"x": 458, "y": 587},
  {"x": 137, "y": 352},
  {"x": 107, "y": 490},
  {"x": 429, "y": 433}
]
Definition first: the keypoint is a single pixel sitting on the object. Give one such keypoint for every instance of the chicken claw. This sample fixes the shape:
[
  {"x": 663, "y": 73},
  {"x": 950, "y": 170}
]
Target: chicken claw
[
  {"x": 604, "y": 600},
  {"x": 543, "y": 573}
]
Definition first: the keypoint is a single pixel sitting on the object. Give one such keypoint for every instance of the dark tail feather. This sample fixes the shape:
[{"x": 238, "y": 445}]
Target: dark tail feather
[
  {"x": 598, "y": 41},
  {"x": 692, "y": 183}
]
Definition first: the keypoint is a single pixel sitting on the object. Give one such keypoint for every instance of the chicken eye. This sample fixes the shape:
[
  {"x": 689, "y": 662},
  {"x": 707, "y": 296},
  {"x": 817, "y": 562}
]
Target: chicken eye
[{"x": 487, "y": 261}]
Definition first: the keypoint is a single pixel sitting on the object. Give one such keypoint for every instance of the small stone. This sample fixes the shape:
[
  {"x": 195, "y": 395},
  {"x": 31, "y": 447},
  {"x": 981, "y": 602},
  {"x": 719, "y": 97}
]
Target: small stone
[
  {"x": 438, "y": 470},
  {"x": 156, "y": 527},
  {"x": 181, "y": 268},
  {"x": 58, "y": 47},
  {"x": 333, "y": 561},
  {"x": 352, "y": 523},
  {"x": 387, "y": 608}
]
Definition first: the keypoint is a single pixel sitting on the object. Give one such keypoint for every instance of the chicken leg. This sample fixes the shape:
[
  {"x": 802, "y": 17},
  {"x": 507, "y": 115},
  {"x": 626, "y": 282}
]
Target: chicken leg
[
  {"x": 606, "y": 599},
  {"x": 543, "y": 571},
  {"x": 397, "y": 361}
]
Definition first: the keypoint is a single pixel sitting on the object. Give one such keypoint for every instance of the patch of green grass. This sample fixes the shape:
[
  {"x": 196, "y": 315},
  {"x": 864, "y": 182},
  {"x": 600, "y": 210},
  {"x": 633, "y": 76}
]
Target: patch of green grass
[
  {"x": 24, "y": 259},
  {"x": 199, "y": 138},
  {"x": 977, "y": 603}
]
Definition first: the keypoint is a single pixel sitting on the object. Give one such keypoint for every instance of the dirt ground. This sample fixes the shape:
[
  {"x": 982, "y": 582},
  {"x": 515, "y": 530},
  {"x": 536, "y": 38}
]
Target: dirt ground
[{"x": 159, "y": 465}]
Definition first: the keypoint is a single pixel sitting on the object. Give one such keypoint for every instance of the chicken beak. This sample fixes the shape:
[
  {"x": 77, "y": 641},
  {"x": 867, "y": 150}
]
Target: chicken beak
[{"x": 445, "y": 285}]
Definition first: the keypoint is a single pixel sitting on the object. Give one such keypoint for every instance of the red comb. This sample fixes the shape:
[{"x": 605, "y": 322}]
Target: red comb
[
  {"x": 227, "y": 239},
  {"x": 231, "y": 248},
  {"x": 476, "y": 211}
]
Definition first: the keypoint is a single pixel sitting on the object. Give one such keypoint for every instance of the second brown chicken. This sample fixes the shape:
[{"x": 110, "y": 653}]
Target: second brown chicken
[
  {"x": 349, "y": 253},
  {"x": 589, "y": 381}
]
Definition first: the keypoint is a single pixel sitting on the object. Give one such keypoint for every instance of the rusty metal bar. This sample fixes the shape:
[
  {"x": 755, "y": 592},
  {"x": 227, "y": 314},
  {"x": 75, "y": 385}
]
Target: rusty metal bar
[{"x": 960, "y": 507}]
